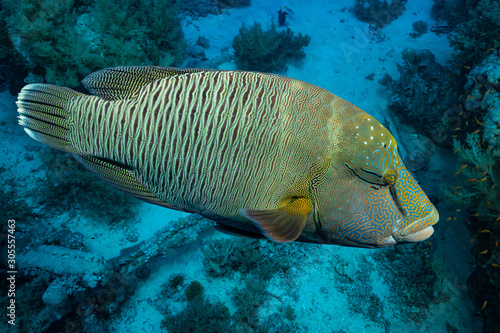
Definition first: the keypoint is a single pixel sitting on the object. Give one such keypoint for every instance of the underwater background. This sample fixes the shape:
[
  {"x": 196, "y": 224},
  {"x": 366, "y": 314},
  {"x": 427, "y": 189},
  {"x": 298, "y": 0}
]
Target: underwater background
[{"x": 87, "y": 258}]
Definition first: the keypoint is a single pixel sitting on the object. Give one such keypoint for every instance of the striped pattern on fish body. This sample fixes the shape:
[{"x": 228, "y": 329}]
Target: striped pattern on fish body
[
  {"x": 190, "y": 144},
  {"x": 261, "y": 154}
]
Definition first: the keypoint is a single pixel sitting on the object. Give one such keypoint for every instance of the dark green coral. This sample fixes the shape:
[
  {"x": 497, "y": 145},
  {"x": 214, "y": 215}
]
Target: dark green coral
[
  {"x": 477, "y": 29},
  {"x": 70, "y": 187},
  {"x": 194, "y": 290},
  {"x": 199, "y": 316},
  {"x": 70, "y": 39},
  {"x": 223, "y": 258},
  {"x": 267, "y": 50},
  {"x": 423, "y": 95},
  {"x": 379, "y": 13}
]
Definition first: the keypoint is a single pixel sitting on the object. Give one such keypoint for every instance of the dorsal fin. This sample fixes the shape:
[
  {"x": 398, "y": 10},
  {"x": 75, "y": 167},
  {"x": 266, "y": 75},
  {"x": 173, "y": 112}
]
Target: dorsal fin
[{"x": 124, "y": 82}]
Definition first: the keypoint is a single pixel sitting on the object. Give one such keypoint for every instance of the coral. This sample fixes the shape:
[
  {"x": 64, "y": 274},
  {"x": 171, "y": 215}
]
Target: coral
[
  {"x": 199, "y": 8},
  {"x": 70, "y": 187},
  {"x": 267, "y": 51},
  {"x": 422, "y": 96},
  {"x": 69, "y": 239},
  {"x": 12, "y": 203},
  {"x": 476, "y": 30},
  {"x": 477, "y": 147},
  {"x": 479, "y": 191},
  {"x": 143, "y": 272},
  {"x": 289, "y": 313},
  {"x": 223, "y": 258},
  {"x": 199, "y": 316},
  {"x": 175, "y": 281},
  {"x": 232, "y": 3},
  {"x": 89, "y": 308},
  {"x": 412, "y": 279},
  {"x": 483, "y": 98},
  {"x": 451, "y": 11},
  {"x": 248, "y": 299},
  {"x": 194, "y": 290},
  {"x": 31, "y": 315},
  {"x": 419, "y": 28},
  {"x": 379, "y": 13},
  {"x": 387, "y": 81},
  {"x": 479, "y": 169},
  {"x": 70, "y": 39},
  {"x": 362, "y": 298}
]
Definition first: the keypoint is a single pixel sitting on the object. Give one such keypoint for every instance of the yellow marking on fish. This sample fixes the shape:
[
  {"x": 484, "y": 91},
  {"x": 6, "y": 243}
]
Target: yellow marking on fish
[
  {"x": 483, "y": 252},
  {"x": 482, "y": 179}
]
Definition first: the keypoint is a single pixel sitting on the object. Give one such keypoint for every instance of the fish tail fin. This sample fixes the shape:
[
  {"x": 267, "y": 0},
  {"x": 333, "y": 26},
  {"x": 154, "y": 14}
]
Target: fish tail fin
[{"x": 42, "y": 113}]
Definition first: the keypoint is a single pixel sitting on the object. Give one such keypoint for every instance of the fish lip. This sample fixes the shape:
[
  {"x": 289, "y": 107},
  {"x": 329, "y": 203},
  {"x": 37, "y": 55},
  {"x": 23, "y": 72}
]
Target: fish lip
[
  {"x": 418, "y": 236},
  {"x": 417, "y": 225}
]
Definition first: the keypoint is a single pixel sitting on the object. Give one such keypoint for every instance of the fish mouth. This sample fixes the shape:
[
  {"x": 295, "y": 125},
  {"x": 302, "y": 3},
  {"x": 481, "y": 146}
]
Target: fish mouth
[{"x": 417, "y": 231}]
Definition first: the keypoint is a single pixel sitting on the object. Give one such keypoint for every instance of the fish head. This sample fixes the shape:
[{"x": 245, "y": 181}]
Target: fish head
[{"x": 369, "y": 198}]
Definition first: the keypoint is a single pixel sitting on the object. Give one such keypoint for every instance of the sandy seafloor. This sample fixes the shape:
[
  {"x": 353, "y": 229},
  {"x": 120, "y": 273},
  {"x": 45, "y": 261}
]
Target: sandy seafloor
[{"x": 339, "y": 58}]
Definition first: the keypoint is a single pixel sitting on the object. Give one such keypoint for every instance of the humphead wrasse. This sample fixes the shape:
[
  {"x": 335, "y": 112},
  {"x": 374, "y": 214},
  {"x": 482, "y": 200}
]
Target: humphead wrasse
[{"x": 260, "y": 154}]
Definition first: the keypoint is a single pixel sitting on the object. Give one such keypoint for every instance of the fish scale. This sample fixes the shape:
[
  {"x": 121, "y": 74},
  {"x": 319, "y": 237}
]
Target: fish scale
[{"x": 261, "y": 154}]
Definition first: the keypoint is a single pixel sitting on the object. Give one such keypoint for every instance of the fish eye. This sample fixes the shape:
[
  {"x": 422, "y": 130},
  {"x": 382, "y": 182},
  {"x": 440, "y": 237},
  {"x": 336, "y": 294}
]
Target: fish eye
[{"x": 390, "y": 177}]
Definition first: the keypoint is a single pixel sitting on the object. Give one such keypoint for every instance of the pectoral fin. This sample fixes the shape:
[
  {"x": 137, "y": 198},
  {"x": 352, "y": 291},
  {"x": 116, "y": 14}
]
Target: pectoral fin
[{"x": 284, "y": 224}]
